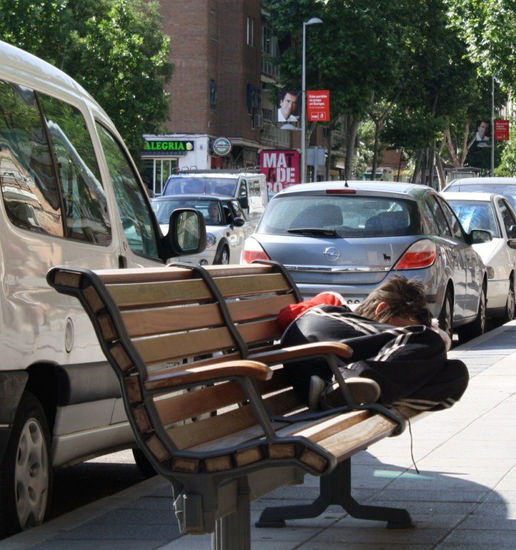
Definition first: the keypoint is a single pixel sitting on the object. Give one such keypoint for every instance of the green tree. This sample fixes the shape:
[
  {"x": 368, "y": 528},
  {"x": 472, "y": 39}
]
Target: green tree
[{"x": 114, "y": 48}]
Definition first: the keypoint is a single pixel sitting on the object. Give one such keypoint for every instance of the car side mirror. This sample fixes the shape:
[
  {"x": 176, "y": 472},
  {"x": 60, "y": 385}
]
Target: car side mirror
[
  {"x": 238, "y": 222},
  {"x": 477, "y": 236},
  {"x": 186, "y": 232},
  {"x": 511, "y": 232},
  {"x": 244, "y": 202}
]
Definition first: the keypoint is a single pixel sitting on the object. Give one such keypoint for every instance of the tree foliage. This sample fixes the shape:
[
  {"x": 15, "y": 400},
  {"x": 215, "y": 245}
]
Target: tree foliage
[
  {"x": 114, "y": 48},
  {"x": 420, "y": 71}
]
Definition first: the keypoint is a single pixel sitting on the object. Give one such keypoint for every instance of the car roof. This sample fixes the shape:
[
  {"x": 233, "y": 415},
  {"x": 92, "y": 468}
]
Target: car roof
[
  {"x": 388, "y": 187},
  {"x": 471, "y": 195},
  {"x": 216, "y": 174},
  {"x": 197, "y": 196},
  {"x": 486, "y": 179}
]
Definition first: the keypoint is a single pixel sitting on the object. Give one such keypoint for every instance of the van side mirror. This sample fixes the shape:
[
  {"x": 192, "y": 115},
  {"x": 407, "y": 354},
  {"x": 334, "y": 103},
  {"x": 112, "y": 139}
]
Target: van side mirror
[
  {"x": 186, "y": 232},
  {"x": 244, "y": 202}
]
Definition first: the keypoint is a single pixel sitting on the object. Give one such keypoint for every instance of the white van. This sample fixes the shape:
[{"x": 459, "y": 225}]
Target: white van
[
  {"x": 248, "y": 188},
  {"x": 70, "y": 195}
]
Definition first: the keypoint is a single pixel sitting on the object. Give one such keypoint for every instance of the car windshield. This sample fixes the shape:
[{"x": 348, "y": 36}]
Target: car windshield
[
  {"x": 342, "y": 216},
  {"x": 475, "y": 215},
  {"x": 180, "y": 185},
  {"x": 210, "y": 209},
  {"x": 506, "y": 189}
]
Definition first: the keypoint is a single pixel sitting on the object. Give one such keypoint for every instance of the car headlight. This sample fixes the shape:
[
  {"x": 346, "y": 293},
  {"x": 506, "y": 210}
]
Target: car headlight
[{"x": 211, "y": 240}]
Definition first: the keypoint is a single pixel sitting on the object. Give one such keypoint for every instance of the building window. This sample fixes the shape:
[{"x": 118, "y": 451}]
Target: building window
[
  {"x": 270, "y": 52},
  {"x": 250, "y": 31},
  {"x": 213, "y": 25},
  {"x": 213, "y": 93}
]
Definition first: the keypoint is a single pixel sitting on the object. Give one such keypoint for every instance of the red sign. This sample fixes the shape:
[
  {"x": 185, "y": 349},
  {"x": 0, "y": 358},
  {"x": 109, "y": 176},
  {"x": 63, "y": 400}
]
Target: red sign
[
  {"x": 318, "y": 105},
  {"x": 281, "y": 168},
  {"x": 501, "y": 130}
]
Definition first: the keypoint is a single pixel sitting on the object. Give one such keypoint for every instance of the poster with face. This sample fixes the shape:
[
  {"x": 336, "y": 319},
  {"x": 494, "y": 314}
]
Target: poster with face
[{"x": 288, "y": 106}]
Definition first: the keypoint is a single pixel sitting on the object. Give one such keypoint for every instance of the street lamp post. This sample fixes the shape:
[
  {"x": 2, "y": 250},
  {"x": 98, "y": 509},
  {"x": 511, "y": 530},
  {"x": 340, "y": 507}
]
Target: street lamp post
[
  {"x": 492, "y": 125},
  {"x": 312, "y": 21}
]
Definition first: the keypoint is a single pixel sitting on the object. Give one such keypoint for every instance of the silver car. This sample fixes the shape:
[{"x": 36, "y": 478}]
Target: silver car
[
  {"x": 226, "y": 226},
  {"x": 501, "y": 185},
  {"x": 351, "y": 236}
]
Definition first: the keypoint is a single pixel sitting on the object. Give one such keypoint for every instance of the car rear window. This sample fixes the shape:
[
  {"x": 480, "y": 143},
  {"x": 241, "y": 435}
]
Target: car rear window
[
  {"x": 179, "y": 185},
  {"x": 347, "y": 216}
]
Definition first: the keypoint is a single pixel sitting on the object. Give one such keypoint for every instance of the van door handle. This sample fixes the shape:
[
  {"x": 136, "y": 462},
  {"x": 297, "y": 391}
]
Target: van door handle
[{"x": 122, "y": 261}]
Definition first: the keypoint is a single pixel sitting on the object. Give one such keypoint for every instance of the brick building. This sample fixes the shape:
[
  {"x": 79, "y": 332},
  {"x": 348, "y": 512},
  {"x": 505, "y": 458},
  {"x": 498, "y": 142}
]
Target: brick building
[{"x": 222, "y": 51}]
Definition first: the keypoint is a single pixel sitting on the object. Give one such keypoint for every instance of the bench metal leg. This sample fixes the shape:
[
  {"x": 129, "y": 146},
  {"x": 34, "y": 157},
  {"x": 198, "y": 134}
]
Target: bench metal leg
[
  {"x": 234, "y": 531},
  {"x": 335, "y": 488}
]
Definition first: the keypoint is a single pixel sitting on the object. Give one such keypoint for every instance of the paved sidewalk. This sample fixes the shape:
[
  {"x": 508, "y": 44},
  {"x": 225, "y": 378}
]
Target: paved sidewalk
[{"x": 464, "y": 495}]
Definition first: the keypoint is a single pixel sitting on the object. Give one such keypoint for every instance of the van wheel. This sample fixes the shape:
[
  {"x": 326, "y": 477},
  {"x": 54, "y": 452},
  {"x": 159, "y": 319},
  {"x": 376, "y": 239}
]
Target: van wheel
[
  {"x": 26, "y": 473},
  {"x": 222, "y": 256},
  {"x": 478, "y": 326}
]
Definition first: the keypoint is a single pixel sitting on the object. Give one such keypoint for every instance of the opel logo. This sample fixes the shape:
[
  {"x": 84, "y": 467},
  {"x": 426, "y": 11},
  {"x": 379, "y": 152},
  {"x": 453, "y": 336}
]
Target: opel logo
[{"x": 331, "y": 253}]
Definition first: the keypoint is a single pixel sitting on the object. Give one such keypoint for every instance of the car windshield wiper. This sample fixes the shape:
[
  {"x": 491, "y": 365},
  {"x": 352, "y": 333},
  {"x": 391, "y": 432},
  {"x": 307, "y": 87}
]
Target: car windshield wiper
[{"x": 314, "y": 231}]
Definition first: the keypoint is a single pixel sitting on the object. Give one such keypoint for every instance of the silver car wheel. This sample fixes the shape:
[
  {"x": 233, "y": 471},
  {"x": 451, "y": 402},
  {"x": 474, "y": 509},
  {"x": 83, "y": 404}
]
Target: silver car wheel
[{"x": 510, "y": 305}]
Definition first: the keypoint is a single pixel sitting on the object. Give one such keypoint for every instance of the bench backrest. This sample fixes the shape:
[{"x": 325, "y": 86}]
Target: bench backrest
[{"x": 154, "y": 324}]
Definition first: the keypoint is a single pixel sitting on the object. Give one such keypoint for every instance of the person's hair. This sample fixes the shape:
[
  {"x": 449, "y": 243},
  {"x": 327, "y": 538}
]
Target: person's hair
[
  {"x": 283, "y": 93},
  {"x": 404, "y": 298}
]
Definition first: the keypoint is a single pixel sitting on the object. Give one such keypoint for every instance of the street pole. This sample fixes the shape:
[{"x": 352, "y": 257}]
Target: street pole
[
  {"x": 312, "y": 21},
  {"x": 492, "y": 125}
]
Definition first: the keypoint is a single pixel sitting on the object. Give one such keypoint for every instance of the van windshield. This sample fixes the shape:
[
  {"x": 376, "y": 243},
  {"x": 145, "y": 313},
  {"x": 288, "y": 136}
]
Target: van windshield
[{"x": 180, "y": 185}]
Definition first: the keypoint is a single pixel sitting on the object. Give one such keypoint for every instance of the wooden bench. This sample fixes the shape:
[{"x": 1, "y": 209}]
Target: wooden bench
[{"x": 201, "y": 373}]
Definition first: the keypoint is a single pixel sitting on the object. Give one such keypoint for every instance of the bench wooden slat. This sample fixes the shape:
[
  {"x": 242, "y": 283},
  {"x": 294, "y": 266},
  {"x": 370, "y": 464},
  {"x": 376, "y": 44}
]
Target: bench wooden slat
[
  {"x": 261, "y": 331},
  {"x": 145, "y": 322},
  {"x": 229, "y": 428},
  {"x": 160, "y": 321},
  {"x": 159, "y": 349},
  {"x": 268, "y": 306},
  {"x": 181, "y": 291},
  {"x": 155, "y": 274},
  {"x": 358, "y": 437}
]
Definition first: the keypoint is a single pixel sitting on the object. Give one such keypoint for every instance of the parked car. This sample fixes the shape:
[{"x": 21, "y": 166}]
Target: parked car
[
  {"x": 248, "y": 188},
  {"x": 501, "y": 185},
  {"x": 351, "y": 236},
  {"x": 226, "y": 225},
  {"x": 495, "y": 214},
  {"x": 69, "y": 195}
]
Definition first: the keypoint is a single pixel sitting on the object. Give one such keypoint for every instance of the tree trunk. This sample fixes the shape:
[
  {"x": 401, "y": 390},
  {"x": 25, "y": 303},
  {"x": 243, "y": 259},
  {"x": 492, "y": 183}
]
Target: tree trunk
[
  {"x": 351, "y": 136},
  {"x": 375, "y": 149}
]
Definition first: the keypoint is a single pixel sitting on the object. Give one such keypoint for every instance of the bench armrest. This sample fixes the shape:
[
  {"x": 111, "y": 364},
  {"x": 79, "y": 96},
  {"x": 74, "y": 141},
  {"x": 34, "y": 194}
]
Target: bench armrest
[
  {"x": 312, "y": 349},
  {"x": 210, "y": 373}
]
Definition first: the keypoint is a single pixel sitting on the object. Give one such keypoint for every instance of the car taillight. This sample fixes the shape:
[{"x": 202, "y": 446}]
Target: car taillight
[
  {"x": 252, "y": 251},
  {"x": 420, "y": 254}
]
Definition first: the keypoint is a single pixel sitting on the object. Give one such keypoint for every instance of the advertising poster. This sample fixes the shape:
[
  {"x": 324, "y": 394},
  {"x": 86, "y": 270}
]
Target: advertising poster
[
  {"x": 289, "y": 106},
  {"x": 502, "y": 130},
  {"x": 281, "y": 168},
  {"x": 318, "y": 105}
]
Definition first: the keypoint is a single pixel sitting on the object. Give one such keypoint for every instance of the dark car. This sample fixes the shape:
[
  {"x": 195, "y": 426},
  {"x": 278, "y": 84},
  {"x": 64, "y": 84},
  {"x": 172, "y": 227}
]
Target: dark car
[
  {"x": 227, "y": 225},
  {"x": 349, "y": 237}
]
